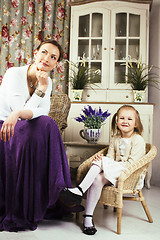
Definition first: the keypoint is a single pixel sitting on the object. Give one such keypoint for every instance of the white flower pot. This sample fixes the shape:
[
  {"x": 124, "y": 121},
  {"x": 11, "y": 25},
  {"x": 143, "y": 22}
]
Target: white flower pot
[
  {"x": 90, "y": 135},
  {"x": 139, "y": 96},
  {"x": 77, "y": 95}
]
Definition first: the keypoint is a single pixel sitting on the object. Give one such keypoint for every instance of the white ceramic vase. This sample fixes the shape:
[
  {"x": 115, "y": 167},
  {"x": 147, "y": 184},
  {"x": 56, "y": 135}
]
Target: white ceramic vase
[
  {"x": 77, "y": 95},
  {"x": 139, "y": 96},
  {"x": 90, "y": 135}
]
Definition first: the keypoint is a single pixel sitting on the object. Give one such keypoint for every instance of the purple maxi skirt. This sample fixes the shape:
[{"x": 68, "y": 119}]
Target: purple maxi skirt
[{"x": 33, "y": 170}]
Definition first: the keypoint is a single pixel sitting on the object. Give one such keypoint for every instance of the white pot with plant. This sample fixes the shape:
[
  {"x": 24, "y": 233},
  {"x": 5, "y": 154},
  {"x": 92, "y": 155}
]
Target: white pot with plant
[
  {"x": 92, "y": 120},
  {"x": 80, "y": 77},
  {"x": 140, "y": 75}
]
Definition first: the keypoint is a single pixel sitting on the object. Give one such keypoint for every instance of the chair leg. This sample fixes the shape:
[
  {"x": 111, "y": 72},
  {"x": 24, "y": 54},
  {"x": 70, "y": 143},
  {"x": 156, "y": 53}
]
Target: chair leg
[
  {"x": 145, "y": 207},
  {"x": 119, "y": 215},
  {"x": 114, "y": 209},
  {"x": 105, "y": 206}
]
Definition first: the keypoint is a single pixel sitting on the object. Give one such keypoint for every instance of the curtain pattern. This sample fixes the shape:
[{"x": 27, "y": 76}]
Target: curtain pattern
[{"x": 23, "y": 24}]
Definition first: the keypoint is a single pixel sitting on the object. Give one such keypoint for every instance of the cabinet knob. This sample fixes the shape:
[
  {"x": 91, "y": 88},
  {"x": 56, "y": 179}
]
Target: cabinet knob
[
  {"x": 112, "y": 48},
  {"x": 105, "y": 48}
]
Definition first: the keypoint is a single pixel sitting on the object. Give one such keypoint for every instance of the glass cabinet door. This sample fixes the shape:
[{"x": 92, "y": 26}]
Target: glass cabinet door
[
  {"x": 90, "y": 35},
  {"x": 104, "y": 37},
  {"x": 127, "y": 44}
]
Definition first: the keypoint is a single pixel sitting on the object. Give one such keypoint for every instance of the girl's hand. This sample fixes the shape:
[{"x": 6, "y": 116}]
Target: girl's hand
[
  {"x": 98, "y": 157},
  {"x": 7, "y": 130}
]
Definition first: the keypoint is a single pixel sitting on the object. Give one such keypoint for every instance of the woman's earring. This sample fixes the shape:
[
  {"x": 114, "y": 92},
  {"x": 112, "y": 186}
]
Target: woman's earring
[{"x": 34, "y": 54}]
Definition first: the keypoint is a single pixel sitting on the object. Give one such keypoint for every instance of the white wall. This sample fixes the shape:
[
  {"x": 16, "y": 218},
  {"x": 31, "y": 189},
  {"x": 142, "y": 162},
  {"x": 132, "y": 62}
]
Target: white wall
[{"x": 154, "y": 94}]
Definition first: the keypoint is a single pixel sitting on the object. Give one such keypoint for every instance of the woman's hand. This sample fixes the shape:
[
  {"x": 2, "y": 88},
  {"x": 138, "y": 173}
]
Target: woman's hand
[
  {"x": 98, "y": 157},
  {"x": 7, "y": 130},
  {"x": 42, "y": 79}
]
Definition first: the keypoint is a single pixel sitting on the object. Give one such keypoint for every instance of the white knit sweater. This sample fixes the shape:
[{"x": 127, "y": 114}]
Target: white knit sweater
[{"x": 14, "y": 94}]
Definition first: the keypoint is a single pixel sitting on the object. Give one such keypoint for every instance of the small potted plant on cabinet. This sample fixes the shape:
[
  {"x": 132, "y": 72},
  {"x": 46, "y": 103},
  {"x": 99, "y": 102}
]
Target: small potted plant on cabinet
[
  {"x": 81, "y": 76},
  {"x": 140, "y": 76},
  {"x": 92, "y": 120}
]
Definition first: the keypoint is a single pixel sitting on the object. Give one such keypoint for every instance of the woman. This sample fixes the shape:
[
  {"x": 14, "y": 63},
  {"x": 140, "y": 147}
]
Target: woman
[{"x": 33, "y": 163}]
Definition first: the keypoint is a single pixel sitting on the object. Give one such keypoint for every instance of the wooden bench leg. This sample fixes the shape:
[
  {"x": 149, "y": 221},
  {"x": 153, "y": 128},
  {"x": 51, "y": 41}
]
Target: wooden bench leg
[{"x": 119, "y": 215}]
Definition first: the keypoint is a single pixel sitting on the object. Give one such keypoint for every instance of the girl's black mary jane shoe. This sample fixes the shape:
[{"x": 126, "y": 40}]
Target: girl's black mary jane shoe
[
  {"x": 70, "y": 199},
  {"x": 89, "y": 230}
]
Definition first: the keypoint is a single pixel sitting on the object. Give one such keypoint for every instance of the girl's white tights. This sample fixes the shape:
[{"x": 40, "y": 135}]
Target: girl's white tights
[
  {"x": 88, "y": 180},
  {"x": 94, "y": 182},
  {"x": 93, "y": 196}
]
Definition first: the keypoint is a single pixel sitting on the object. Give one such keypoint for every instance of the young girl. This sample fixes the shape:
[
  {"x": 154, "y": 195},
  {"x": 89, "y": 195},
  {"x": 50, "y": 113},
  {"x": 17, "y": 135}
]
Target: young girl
[{"x": 126, "y": 147}]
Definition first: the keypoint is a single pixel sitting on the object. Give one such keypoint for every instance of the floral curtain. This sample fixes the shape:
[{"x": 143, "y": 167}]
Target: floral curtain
[{"x": 23, "y": 24}]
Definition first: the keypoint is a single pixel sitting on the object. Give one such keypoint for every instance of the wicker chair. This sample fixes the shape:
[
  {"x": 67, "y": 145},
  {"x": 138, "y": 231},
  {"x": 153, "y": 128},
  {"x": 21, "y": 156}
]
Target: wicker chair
[
  {"x": 59, "y": 110},
  {"x": 127, "y": 184}
]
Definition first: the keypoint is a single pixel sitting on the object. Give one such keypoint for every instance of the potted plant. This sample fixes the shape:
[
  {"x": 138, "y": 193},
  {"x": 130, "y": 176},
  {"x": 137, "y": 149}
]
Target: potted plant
[
  {"x": 92, "y": 120},
  {"x": 81, "y": 76},
  {"x": 140, "y": 76}
]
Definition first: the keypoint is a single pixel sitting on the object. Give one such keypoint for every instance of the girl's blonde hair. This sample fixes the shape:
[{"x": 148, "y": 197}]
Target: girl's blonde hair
[{"x": 139, "y": 127}]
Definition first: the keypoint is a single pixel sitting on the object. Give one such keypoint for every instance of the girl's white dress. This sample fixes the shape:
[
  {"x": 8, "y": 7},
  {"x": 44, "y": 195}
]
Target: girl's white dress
[{"x": 121, "y": 153}]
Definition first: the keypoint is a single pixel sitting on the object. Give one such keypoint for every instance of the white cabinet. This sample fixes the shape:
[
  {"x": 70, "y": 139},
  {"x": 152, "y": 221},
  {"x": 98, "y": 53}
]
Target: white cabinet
[
  {"x": 104, "y": 34},
  {"x": 72, "y": 131}
]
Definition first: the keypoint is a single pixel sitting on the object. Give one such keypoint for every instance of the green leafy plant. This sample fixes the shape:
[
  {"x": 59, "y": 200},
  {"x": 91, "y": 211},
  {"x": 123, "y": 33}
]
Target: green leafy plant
[
  {"x": 82, "y": 76},
  {"x": 140, "y": 75}
]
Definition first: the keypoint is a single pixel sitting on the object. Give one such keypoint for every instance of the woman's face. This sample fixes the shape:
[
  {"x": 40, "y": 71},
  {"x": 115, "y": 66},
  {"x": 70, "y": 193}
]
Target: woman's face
[{"x": 46, "y": 57}]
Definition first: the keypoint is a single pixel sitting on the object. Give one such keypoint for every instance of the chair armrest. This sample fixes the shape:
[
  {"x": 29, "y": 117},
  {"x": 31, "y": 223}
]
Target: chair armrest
[
  {"x": 147, "y": 158},
  {"x": 85, "y": 166},
  {"x": 59, "y": 110},
  {"x": 135, "y": 170}
]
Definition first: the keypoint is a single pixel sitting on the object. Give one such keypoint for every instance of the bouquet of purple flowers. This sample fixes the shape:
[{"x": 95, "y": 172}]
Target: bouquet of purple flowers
[{"x": 93, "y": 118}]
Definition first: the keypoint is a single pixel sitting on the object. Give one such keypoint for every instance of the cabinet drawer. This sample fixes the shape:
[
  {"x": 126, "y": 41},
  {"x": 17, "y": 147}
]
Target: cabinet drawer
[
  {"x": 94, "y": 95},
  {"x": 108, "y": 96},
  {"x": 119, "y": 96}
]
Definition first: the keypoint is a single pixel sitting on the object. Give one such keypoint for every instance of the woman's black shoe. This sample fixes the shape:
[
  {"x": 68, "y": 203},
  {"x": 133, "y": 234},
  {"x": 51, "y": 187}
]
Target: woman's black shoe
[
  {"x": 70, "y": 199},
  {"x": 89, "y": 230}
]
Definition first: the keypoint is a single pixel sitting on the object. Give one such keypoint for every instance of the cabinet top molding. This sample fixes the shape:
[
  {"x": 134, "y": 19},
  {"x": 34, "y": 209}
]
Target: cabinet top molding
[
  {"x": 79, "y": 2},
  {"x": 114, "y": 103}
]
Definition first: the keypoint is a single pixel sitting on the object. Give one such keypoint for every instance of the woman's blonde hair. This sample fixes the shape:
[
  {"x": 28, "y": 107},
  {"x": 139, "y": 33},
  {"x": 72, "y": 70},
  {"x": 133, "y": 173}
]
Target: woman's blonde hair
[{"x": 139, "y": 127}]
